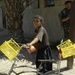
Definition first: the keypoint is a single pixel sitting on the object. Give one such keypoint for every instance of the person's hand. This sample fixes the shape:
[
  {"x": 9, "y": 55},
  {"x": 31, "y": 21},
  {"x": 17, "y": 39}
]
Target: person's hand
[
  {"x": 28, "y": 45},
  {"x": 31, "y": 48},
  {"x": 68, "y": 18},
  {"x": 23, "y": 46}
]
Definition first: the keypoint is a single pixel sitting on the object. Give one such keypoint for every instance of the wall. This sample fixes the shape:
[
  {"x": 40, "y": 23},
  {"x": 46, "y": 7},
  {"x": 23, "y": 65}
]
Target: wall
[
  {"x": 1, "y": 18},
  {"x": 51, "y": 23}
]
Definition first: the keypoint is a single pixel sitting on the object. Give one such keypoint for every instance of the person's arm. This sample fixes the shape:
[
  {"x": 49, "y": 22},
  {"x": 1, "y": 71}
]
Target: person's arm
[
  {"x": 35, "y": 40},
  {"x": 65, "y": 19},
  {"x": 64, "y": 16},
  {"x": 28, "y": 45},
  {"x": 38, "y": 38}
]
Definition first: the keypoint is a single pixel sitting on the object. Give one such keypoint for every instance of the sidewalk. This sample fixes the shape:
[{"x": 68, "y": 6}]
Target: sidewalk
[
  {"x": 5, "y": 66},
  {"x": 64, "y": 70},
  {"x": 29, "y": 60}
]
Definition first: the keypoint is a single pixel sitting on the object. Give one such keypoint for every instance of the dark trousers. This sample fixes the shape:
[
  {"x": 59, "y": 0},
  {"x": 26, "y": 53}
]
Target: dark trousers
[{"x": 44, "y": 53}]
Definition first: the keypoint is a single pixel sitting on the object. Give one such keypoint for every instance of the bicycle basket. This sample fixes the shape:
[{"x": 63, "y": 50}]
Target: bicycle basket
[
  {"x": 68, "y": 51},
  {"x": 65, "y": 44},
  {"x": 10, "y": 49},
  {"x": 67, "y": 48}
]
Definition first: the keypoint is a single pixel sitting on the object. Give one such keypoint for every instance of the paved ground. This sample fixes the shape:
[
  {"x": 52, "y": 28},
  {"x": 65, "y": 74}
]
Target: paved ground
[{"x": 5, "y": 64}]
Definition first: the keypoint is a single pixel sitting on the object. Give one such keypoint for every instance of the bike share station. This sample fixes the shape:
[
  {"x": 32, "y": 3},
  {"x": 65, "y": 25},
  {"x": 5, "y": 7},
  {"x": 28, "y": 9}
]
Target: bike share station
[{"x": 11, "y": 50}]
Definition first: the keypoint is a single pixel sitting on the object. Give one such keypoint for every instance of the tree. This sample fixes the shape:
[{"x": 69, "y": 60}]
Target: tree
[{"x": 14, "y": 15}]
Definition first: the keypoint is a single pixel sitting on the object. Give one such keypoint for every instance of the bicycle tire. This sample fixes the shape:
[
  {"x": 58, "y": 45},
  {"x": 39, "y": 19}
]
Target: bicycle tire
[
  {"x": 50, "y": 73},
  {"x": 34, "y": 70}
]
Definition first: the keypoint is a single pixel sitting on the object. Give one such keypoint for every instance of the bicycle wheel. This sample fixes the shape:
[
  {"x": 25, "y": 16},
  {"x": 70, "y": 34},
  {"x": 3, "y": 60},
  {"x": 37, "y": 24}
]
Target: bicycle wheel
[
  {"x": 51, "y": 73},
  {"x": 28, "y": 70}
]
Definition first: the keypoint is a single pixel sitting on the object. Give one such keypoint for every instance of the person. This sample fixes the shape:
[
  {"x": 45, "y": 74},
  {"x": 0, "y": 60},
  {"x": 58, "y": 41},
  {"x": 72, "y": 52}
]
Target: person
[
  {"x": 65, "y": 15},
  {"x": 42, "y": 40}
]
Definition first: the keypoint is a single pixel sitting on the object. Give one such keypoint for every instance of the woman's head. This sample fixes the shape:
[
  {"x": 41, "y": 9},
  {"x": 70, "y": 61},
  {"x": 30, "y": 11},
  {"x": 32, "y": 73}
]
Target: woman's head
[{"x": 38, "y": 21}]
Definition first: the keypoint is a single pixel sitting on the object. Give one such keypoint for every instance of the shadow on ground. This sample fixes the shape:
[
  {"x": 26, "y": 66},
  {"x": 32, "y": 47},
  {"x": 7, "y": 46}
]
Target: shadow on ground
[
  {"x": 3, "y": 74},
  {"x": 29, "y": 57},
  {"x": 64, "y": 69},
  {"x": 4, "y": 35}
]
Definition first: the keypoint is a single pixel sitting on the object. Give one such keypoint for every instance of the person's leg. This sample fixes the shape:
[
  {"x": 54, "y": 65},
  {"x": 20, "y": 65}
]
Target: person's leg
[
  {"x": 48, "y": 66},
  {"x": 47, "y": 55},
  {"x": 44, "y": 53},
  {"x": 40, "y": 54}
]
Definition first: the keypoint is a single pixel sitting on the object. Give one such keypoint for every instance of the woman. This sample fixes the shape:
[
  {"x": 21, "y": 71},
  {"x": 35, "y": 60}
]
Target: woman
[{"x": 41, "y": 42}]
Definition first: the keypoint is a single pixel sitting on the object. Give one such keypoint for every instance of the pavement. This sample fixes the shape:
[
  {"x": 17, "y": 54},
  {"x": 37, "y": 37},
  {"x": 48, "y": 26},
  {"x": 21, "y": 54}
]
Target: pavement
[
  {"x": 28, "y": 60},
  {"x": 5, "y": 66}
]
